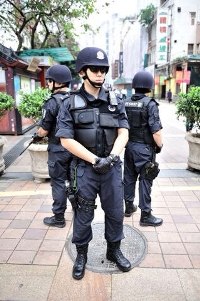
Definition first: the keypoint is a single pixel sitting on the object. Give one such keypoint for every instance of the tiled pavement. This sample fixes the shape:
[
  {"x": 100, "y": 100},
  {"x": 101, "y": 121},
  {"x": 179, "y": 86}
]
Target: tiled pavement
[{"x": 36, "y": 266}]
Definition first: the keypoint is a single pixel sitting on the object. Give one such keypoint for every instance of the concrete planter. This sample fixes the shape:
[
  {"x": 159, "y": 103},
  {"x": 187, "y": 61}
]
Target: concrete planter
[
  {"x": 194, "y": 151},
  {"x": 39, "y": 158},
  {"x": 2, "y": 163}
]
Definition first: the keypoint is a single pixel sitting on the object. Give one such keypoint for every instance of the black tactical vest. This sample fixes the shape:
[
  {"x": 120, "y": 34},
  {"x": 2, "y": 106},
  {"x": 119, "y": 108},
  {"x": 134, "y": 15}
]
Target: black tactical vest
[
  {"x": 59, "y": 98},
  {"x": 95, "y": 123},
  {"x": 138, "y": 120}
]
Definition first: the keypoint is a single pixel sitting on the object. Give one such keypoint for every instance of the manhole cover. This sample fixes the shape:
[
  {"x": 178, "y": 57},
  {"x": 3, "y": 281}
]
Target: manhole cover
[{"x": 133, "y": 246}]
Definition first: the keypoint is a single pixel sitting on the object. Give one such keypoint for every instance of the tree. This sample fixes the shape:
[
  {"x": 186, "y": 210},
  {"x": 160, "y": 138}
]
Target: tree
[
  {"x": 42, "y": 21},
  {"x": 146, "y": 15}
]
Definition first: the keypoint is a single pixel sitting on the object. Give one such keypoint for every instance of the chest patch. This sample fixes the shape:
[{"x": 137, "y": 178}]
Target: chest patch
[{"x": 134, "y": 104}]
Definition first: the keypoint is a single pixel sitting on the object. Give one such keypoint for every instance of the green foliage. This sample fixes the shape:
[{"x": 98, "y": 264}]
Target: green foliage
[
  {"x": 31, "y": 103},
  {"x": 6, "y": 103},
  {"x": 39, "y": 21},
  {"x": 146, "y": 15},
  {"x": 188, "y": 106}
]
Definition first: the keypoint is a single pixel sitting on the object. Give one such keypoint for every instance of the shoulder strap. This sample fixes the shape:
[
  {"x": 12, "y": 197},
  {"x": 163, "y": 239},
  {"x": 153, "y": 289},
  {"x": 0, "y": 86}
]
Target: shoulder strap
[
  {"x": 59, "y": 98},
  {"x": 146, "y": 100},
  {"x": 77, "y": 101}
]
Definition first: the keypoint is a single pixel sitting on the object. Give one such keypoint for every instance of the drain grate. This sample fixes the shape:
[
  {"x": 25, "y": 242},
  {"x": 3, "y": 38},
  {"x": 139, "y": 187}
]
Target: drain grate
[
  {"x": 14, "y": 152},
  {"x": 134, "y": 248}
]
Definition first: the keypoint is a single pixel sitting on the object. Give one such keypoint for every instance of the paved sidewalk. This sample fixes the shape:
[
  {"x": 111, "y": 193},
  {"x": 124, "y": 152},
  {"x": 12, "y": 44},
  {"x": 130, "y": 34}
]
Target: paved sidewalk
[{"x": 34, "y": 263}]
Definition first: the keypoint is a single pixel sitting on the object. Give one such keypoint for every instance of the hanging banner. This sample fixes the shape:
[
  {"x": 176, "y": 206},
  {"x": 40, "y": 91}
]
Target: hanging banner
[
  {"x": 186, "y": 76},
  {"x": 162, "y": 80},
  {"x": 161, "y": 34},
  {"x": 179, "y": 77},
  {"x": 157, "y": 80}
]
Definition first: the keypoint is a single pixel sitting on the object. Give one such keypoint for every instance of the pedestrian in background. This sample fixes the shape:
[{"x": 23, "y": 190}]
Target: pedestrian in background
[
  {"x": 93, "y": 126},
  {"x": 145, "y": 141},
  {"x": 169, "y": 96},
  {"x": 58, "y": 79}
]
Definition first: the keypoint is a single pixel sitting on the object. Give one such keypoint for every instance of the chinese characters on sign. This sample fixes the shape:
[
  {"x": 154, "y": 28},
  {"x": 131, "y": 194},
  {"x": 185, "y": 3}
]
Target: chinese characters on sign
[{"x": 162, "y": 27}]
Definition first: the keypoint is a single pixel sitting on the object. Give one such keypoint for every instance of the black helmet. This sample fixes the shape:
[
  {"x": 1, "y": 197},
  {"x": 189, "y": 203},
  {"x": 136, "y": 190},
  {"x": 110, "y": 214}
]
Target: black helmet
[
  {"x": 59, "y": 73},
  {"x": 143, "y": 80},
  {"x": 91, "y": 56}
]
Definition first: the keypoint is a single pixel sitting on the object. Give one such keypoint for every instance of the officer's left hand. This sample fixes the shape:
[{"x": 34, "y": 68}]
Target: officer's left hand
[
  {"x": 36, "y": 138},
  {"x": 103, "y": 165},
  {"x": 158, "y": 149}
]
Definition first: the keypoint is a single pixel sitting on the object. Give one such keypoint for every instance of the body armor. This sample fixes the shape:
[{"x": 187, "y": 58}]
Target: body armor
[
  {"x": 58, "y": 98},
  {"x": 95, "y": 124},
  {"x": 137, "y": 114}
]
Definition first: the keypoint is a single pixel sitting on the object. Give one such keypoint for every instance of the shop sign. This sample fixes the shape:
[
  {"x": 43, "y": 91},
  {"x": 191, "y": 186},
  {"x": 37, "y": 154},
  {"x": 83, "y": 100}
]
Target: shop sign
[{"x": 162, "y": 46}]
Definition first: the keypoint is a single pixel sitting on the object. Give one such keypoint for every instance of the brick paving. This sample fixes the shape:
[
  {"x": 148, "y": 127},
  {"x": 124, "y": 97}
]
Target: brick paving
[{"x": 26, "y": 241}]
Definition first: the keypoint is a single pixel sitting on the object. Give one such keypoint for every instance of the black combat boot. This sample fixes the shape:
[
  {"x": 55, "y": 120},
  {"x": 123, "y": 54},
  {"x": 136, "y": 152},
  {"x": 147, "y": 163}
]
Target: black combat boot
[
  {"x": 56, "y": 220},
  {"x": 80, "y": 262},
  {"x": 147, "y": 219},
  {"x": 115, "y": 254},
  {"x": 130, "y": 207}
]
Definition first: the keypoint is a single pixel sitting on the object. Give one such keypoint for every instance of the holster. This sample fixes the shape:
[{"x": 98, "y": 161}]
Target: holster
[
  {"x": 151, "y": 169},
  {"x": 85, "y": 204}
]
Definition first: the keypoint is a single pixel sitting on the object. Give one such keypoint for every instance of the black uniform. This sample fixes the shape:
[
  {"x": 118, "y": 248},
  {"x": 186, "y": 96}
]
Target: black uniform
[
  {"x": 58, "y": 156},
  {"x": 144, "y": 120},
  {"x": 94, "y": 123}
]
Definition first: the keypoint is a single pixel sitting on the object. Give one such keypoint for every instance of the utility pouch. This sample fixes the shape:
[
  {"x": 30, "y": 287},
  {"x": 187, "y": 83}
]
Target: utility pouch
[
  {"x": 71, "y": 195},
  {"x": 151, "y": 170},
  {"x": 73, "y": 200}
]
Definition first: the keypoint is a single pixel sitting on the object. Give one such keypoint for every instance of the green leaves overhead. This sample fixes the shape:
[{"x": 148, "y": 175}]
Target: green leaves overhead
[
  {"x": 146, "y": 15},
  {"x": 39, "y": 20}
]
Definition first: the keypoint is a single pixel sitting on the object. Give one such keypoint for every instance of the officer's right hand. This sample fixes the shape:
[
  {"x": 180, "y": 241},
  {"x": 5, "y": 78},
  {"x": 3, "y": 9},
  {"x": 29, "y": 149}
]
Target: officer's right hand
[
  {"x": 158, "y": 149},
  {"x": 103, "y": 165},
  {"x": 36, "y": 138}
]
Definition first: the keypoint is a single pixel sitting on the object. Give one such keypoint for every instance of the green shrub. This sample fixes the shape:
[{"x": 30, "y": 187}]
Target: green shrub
[
  {"x": 31, "y": 103},
  {"x": 188, "y": 106},
  {"x": 6, "y": 103}
]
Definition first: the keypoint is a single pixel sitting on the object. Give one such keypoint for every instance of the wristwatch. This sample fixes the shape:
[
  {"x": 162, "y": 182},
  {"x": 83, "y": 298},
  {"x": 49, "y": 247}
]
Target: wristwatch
[{"x": 114, "y": 158}]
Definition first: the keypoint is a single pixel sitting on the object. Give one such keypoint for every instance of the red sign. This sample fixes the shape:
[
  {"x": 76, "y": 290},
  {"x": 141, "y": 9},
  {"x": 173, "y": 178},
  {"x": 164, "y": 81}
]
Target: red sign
[
  {"x": 179, "y": 77},
  {"x": 186, "y": 76},
  {"x": 157, "y": 80},
  {"x": 183, "y": 77}
]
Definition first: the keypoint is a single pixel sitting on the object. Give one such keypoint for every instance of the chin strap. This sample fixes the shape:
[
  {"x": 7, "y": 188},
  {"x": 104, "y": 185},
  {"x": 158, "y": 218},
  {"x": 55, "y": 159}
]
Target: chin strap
[
  {"x": 96, "y": 85},
  {"x": 57, "y": 88}
]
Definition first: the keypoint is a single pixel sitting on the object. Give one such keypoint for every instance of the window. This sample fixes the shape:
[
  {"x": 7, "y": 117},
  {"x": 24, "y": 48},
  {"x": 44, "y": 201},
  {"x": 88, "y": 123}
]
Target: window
[
  {"x": 193, "y": 17},
  {"x": 190, "y": 48}
]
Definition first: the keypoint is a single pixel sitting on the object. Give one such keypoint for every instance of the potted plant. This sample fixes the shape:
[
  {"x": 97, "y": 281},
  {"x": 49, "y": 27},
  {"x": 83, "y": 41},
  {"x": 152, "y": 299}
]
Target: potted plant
[
  {"x": 7, "y": 102},
  {"x": 31, "y": 107},
  {"x": 188, "y": 106}
]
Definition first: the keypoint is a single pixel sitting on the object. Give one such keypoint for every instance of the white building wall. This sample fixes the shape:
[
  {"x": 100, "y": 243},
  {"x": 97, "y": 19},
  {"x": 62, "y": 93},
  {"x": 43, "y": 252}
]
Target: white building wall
[
  {"x": 183, "y": 33},
  {"x": 136, "y": 43}
]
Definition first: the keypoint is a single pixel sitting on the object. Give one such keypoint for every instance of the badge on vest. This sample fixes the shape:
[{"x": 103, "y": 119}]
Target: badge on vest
[
  {"x": 43, "y": 113},
  {"x": 112, "y": 108}
]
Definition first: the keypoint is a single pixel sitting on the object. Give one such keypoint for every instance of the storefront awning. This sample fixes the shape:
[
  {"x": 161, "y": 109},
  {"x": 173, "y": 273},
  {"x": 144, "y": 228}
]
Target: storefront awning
[
  {"x": 122, "y": 81},
  {"x": 61, "y": 54}
]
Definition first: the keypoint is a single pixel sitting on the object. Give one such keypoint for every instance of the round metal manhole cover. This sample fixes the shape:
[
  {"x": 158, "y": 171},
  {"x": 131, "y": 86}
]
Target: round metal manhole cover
[{"x": 133, "y": 246}]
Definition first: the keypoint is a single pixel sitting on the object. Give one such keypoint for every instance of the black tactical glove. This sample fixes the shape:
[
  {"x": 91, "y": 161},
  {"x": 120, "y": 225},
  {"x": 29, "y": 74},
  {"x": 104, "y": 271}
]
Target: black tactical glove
[
  {"x": 103, "y": 165},
  {"x": 158, "y": 149},
  {"x": 36, "y": 138}
]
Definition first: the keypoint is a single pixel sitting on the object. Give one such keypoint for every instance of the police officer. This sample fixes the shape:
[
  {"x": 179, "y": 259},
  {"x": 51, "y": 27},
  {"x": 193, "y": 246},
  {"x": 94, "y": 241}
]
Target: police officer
[
  {"x": 58, "y": 80},
  {"x": 93, "y": 126},
  {"x": 145, "y": 141}
]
